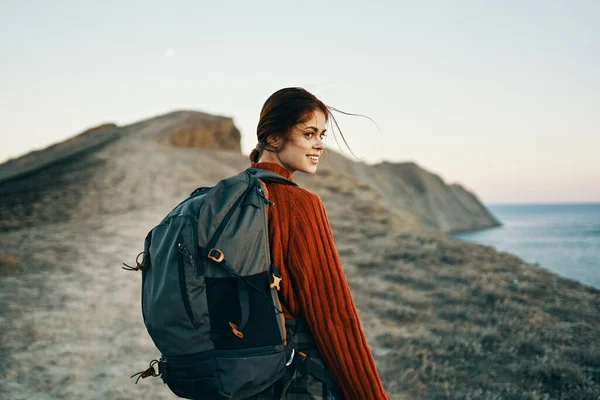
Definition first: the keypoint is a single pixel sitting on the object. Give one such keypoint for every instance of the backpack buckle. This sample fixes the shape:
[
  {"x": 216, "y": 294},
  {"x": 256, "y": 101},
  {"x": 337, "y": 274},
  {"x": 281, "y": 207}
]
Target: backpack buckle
[
  {"x": 275, "y": 283},
  {"x": 216, "y": 255},
  {"x": 289, "y": 362}
]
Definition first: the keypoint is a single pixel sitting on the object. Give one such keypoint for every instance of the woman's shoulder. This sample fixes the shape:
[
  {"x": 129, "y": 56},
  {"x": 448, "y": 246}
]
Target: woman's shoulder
[
  {"x": 295, "y": 195},
  {"x": 305, "y": 202},
  {"x": 300, "y": 193}
]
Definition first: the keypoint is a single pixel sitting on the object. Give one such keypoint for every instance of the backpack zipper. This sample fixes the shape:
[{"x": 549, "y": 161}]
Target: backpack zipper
[
  {"x": 183, "y": 284},
  {"x": 196, "y": 262},
  {"x": 182, "y": 249}
]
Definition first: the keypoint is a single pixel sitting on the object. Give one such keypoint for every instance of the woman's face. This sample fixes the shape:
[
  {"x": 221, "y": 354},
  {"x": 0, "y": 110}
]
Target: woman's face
[{"x": 304, "y": 145}]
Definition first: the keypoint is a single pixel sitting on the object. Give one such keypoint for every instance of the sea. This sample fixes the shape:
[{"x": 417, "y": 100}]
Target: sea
[{"x": 563, "y": 238}]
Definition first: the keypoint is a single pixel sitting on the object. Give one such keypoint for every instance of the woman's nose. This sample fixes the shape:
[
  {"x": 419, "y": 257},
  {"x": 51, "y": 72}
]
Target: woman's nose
[{"x": 319, "y": 144}]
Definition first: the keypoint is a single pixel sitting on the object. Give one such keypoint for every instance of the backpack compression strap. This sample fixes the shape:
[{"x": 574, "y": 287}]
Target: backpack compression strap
[{"x": 303, "y": 363}]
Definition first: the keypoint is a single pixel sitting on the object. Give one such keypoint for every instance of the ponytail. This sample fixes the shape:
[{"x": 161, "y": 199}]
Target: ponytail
[
  {"x": 254, "y": 155},
  {"x": 256, "y": 152}
]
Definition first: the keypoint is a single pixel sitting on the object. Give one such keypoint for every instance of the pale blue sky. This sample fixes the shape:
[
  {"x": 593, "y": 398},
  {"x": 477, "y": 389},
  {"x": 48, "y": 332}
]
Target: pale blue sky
[{"x": 501, "y": 96}]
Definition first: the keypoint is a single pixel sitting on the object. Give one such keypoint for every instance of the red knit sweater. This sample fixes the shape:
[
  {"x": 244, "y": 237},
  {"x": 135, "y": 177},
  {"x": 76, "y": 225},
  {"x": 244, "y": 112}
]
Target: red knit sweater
[{"x": 313, "y": 286}]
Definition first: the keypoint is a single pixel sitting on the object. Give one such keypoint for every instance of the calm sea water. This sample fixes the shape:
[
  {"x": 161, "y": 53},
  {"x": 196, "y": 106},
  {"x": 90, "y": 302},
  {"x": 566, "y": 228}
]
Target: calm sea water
[{"x": 564, "y": 238}]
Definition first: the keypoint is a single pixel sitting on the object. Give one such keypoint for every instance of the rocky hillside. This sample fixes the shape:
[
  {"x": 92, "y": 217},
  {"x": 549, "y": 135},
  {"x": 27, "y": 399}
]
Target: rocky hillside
[
  {"x": 89, "y": 173},
  {"x": 408, "y": 187}
]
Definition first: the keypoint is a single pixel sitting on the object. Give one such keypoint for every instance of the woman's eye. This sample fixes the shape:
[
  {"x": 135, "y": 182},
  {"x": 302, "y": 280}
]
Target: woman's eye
[
  {"x": 323, "y": 136},
  {"x": 309, "y": 135}
]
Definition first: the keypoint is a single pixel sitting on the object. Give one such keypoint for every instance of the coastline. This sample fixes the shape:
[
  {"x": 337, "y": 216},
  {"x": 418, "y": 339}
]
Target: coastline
[{"x": 561, "y": 237}]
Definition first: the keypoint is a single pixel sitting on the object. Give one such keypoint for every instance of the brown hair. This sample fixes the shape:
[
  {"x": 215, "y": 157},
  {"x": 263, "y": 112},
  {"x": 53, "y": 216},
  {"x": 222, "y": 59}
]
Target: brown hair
[{"x": 284, "y": 109}]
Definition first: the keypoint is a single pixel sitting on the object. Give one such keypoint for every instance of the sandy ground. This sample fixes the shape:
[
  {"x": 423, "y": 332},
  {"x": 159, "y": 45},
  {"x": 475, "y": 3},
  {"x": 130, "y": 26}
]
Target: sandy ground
[{"x": 71, "y": 320}]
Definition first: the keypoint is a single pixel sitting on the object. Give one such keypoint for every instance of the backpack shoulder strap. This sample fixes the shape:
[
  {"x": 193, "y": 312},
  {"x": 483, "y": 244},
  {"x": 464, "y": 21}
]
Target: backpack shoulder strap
[{"x": 265, "y": 175}]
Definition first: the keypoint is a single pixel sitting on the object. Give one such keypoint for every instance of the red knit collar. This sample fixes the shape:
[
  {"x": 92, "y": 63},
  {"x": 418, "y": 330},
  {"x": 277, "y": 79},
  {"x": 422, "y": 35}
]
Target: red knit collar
[{"x": 269, "y": 166}]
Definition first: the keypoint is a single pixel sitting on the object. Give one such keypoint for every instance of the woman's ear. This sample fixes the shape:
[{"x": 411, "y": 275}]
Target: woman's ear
[{"x": 274, "y": 141}]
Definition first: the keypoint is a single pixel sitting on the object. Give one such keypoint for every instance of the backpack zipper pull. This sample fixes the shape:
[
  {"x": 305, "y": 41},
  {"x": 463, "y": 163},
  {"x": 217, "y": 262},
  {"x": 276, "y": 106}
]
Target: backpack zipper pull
[
  {"x": 185, "y": 252},
  {"x": 138, "y": 265},
  {"x": 261, "y": 192}
]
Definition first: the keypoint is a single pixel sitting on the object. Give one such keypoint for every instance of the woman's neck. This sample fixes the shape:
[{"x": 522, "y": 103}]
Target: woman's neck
[{"x": 273, "y": 157}]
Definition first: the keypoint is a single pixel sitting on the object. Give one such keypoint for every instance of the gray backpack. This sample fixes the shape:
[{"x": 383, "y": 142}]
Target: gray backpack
[{"x": 209, "y": 294}]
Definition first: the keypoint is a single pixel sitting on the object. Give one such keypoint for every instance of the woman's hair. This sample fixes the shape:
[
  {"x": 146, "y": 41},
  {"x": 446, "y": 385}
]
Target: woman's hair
[{"x": 284, "y": 109}]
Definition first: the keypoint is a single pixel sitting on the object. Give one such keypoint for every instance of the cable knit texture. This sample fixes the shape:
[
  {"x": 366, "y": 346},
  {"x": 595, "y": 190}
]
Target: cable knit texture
[{"x": 314, "y": 287}]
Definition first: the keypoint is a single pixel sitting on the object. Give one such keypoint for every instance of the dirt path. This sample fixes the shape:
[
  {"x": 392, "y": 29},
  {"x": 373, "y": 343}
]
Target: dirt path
[{"x": 71, "y": 320}]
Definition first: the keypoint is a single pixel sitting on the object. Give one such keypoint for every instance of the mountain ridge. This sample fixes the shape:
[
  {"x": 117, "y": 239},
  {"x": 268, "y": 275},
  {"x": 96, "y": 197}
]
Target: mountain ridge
[{"x": 94, "y": 163}]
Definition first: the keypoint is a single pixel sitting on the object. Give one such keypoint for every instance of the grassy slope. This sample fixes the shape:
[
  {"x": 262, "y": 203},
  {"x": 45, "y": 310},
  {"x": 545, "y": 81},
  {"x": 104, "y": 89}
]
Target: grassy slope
[{"x": 449, "y": 319}]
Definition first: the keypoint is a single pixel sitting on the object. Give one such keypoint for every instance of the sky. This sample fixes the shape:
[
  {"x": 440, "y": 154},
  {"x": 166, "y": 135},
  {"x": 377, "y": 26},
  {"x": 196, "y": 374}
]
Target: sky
[{"x": 500, "y": 96}]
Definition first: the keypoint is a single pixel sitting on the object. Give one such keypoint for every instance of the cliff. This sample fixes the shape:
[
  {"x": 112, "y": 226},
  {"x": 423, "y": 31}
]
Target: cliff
[{"x": 412, "y": 189}]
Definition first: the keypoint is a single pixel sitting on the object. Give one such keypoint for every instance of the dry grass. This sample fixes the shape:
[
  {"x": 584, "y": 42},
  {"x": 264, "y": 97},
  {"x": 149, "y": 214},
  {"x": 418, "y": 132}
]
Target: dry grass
[
  {"x": 452, "y": 320},
  {"x": 464, "y": 329}
]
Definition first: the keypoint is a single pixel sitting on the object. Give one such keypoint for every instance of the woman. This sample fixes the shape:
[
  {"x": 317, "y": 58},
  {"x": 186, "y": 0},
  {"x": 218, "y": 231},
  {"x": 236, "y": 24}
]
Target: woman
[{"x": 291, "y": 134}]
